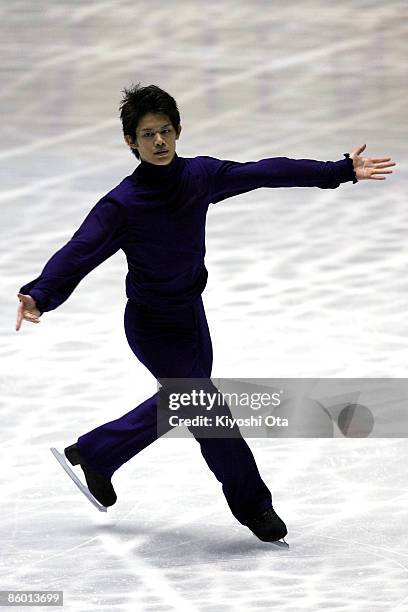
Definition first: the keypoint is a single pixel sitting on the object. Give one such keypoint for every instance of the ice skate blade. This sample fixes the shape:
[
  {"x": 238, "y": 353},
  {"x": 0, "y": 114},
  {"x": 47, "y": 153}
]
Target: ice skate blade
[
  {"x": 281, "y": 544},
  {"x": 63, "y": 463},
  {"x": 277, "y": 543}
]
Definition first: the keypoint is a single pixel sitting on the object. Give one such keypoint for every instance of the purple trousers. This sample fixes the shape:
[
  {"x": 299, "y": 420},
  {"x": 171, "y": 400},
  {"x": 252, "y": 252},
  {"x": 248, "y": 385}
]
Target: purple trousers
[{"x": 175, "y": 342}]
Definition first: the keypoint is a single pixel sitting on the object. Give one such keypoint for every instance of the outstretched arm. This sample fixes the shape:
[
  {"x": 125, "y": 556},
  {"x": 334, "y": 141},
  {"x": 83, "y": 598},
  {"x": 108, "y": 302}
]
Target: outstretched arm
[
  {"x": 100, "y": 235},
  {"x": 228, "y": 178}
]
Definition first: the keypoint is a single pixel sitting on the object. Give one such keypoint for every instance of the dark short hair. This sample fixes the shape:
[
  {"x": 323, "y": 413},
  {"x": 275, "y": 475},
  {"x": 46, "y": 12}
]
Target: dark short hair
[{"x": 138, "y": 101}]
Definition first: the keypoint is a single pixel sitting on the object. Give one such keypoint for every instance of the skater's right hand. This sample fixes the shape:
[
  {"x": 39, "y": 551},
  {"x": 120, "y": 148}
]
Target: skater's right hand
[{"x": 27, "y": 310}]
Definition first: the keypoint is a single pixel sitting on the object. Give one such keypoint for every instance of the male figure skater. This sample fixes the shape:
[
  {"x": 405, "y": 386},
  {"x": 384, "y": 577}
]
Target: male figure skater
[{"x": 157, "y": 216}]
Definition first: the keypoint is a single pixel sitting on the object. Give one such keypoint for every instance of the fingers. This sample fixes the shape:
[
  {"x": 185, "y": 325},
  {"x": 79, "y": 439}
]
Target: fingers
[
  {"x": 359, "y": 149},
  {"x": 25, "y": 316},
  {"x": 384, "y": 165},
  {"x": 379, "y": 169},
  {"x": 19, "y": 316},
  {"x": 24, "y": 312}
]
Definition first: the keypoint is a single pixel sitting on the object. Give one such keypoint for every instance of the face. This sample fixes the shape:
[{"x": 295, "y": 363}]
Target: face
[{"x": 154, "y": 133}]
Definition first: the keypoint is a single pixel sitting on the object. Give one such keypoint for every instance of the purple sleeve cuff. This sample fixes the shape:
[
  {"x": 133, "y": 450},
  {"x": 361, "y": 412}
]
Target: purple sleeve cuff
[{"x": 350, "y": 168}]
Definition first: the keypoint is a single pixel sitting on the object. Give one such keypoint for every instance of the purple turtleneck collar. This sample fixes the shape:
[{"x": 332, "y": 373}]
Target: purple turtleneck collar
[{"x": 155, "y": 172}]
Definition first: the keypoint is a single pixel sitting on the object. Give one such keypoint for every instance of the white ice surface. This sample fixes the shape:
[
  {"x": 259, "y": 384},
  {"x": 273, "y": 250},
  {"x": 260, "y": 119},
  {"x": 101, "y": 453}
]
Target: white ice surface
[{"x": 303, "y": 282}]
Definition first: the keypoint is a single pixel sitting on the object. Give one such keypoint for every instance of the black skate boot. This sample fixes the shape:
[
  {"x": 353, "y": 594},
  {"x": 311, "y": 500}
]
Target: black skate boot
[
  {"x": 268, "y": 526},
  {"x": 100, "y": 486}
]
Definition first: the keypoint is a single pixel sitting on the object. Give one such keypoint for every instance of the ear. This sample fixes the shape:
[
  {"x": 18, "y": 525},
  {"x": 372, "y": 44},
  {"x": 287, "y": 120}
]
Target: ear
[
  {"x": 179, "y": 132},
  {"x": 130, "y": 142}
]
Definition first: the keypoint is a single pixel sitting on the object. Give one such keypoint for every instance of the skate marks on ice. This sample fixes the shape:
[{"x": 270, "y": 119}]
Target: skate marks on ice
[
  {"x": 201, "y": 561},
  {"x": 64, "y": 464},
  {"x": 182, "y": 566},
  {"x": 181, "y": 552}
]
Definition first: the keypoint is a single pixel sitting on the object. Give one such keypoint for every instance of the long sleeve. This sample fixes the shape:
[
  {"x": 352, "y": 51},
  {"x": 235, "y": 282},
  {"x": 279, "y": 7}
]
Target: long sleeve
[
  {"x": 99, "y": 236},
  {"x": 228, "y": 178}
]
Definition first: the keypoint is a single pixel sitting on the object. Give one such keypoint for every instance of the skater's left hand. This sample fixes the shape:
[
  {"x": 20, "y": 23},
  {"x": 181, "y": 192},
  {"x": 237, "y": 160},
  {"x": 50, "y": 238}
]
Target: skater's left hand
[{"x": 370, "y": 167}]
